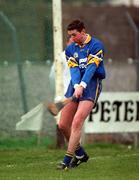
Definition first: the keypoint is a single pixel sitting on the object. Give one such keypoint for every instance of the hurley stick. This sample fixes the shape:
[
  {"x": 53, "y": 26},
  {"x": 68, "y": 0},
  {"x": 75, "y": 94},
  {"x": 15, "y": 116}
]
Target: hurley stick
[{"x": 55, "y": 108}]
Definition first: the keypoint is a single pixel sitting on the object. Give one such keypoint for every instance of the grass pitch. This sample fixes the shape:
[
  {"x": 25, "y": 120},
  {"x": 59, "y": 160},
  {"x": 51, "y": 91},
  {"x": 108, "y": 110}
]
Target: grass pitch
[{"x": 107, "y": 162}]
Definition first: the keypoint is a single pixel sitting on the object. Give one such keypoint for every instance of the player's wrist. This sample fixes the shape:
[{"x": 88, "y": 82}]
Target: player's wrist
[
  {"x": 83, "y": 84},
  {"x": 76, "y": 85}
]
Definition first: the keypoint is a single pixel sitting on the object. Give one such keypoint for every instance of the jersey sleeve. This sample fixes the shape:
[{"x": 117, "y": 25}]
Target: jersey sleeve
[
  {"x": 74, "y": 68},
  {"x": 93, "y": 61}
]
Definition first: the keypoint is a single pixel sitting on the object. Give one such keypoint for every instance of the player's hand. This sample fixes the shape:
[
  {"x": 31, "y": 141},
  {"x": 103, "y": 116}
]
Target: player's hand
[{"x": 78, "y": 91}]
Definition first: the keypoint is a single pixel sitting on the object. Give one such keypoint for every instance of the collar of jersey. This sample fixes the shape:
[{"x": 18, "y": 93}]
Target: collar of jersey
[{"x": 88, "y": 39}]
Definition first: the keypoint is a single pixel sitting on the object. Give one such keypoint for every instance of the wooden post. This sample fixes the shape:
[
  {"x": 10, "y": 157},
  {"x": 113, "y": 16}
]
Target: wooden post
[{"x": 58, "y": 48}]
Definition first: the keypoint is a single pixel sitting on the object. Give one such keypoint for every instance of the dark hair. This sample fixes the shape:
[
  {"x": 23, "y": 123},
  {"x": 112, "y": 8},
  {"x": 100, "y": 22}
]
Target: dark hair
[{"x": 76, "y": 24}]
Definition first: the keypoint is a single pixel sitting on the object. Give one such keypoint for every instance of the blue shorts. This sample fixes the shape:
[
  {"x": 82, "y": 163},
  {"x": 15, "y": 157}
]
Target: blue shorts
[{"x": 91, "y": 92}]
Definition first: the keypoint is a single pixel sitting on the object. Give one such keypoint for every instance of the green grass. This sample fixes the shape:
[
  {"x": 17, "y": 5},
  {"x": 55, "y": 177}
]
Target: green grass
[
  {"x": 107, "y": 162},
  {"x": 29, "y": 141}
]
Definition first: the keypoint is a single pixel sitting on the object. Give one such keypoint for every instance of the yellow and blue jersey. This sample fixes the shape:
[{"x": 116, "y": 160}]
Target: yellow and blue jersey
[{"x": 86, "y": 64}]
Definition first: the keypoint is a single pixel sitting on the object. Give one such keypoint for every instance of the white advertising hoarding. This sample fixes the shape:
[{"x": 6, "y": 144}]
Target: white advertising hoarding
[{"x": 115, "y": 112}]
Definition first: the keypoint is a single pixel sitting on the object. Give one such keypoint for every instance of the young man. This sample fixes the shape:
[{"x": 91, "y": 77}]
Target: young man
[{"x": 85, "y": 60}]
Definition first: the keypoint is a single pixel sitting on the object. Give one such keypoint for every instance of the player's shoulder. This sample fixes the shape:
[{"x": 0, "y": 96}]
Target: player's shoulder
[{"x": 97, "y": 43}]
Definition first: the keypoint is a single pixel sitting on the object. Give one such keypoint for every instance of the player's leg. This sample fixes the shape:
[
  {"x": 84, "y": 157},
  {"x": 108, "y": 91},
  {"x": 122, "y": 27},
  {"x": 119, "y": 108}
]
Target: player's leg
[
  {"x": 82, "y": 112},
  {"x": 67, "y": 115}
]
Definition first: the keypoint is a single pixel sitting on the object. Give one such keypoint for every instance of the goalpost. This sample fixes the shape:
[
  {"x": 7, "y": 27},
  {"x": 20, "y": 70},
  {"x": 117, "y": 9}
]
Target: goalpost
[{"x": 58, "y": 46}]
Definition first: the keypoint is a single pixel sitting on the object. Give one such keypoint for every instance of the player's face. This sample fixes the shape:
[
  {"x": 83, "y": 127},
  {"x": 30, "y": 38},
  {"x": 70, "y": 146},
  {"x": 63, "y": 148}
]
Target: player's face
[{"x": 77, "y": 37}]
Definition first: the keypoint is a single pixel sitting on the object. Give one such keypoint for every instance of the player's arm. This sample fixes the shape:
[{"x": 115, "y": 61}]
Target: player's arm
[
  {"x": 94, "y": 59},
  {"x": 74, "y": 68}
]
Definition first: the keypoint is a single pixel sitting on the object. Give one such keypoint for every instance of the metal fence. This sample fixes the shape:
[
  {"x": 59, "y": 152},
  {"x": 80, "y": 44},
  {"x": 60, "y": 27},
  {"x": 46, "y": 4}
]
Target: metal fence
[
  {"x": 122, "y": 75},
  {"x": 37, "y": 89}
]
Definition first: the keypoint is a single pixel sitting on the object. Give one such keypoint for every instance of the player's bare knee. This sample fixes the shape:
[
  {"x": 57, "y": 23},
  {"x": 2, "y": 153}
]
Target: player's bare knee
[
  {"x": 62, "y": 126},
  {"x": 76, "y": 125}
]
